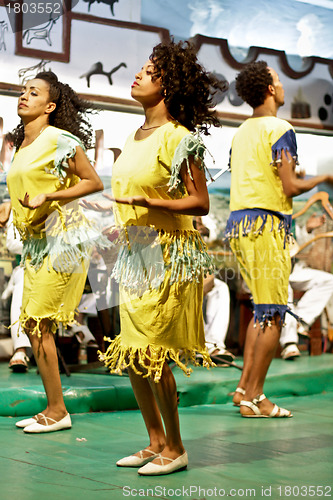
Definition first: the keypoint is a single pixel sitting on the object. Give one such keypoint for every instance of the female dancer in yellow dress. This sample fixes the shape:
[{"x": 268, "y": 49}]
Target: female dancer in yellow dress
[
  {"x": 49, "y": 171},
  {"x": 158, "y": 185}
]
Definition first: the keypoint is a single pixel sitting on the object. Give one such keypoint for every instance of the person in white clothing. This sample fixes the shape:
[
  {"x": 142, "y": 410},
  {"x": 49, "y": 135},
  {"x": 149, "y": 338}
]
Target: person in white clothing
[
  {"x": 19, "y": 361},
  {"x": 216, "y": 305},
  {"x": 216, "y": 318},
  {"x": 318, "y": 288}
]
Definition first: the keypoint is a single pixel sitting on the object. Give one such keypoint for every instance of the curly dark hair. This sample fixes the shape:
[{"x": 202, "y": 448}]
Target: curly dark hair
[
  {"x": 69, "y": 113},
  {"x": 252, "y": 83},
  {"x": 188, "y": 88}
]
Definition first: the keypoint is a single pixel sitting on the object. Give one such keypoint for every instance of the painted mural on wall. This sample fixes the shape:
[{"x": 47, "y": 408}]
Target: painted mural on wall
[
  {"x": 65, "y": 36},
  {"x": 106, "y": 2},
  {"x": 26, "y": 74},
  {"x": 3, "y": 29},
  {"x": 97, "y": 69},
  {"x": 125, "y": 10},
  {"x": 42, "y": 33}
]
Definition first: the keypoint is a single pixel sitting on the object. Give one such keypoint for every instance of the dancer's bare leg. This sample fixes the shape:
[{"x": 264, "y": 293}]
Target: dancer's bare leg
[
  {"x": 250, "y": 341},
  {"x": 46, "y": 357},
  {"x": 264, "y": 350},
  {"x": 165, "y": 392},
  {"x": 149, "y": 410}
]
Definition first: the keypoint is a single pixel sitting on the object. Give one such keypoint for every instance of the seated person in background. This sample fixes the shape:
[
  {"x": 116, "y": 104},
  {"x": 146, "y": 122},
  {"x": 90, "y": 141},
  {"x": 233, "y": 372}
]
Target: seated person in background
[
  {"x": 6, "y": 152},
  {"x": 86, "y": 308},
  {"x": 216, "y": 309},
  {"x": 327, "y": 325},
  {"x": 318, "y": 288},
  {"x": 216, "y": 313},
  {"x": 21, "y": 344}
]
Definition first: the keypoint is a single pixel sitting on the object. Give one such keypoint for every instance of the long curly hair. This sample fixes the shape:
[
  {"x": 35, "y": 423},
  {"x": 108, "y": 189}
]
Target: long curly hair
[
  {"x": 252, "y": 83},
  {"x": 186, "y": 86},
  {"x": 69, "y": 113}
]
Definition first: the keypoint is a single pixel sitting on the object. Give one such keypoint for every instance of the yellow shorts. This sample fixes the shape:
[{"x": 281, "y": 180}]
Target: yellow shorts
[{"x": 265, "y": 264}]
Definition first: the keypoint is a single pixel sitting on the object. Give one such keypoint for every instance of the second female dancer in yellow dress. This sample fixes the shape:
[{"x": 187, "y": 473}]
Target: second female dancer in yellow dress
[{"x": 159, "y": 184}]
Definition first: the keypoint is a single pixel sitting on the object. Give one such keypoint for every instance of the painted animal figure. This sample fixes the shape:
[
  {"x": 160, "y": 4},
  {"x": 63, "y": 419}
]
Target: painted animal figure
[
  {"x": 97, "y": 69},
  {"x": 107, "y": 2},
  {"x": 41, "y": 33},
  {"x": 3, "y": 28},
  {"x": 26, "y": 74}
]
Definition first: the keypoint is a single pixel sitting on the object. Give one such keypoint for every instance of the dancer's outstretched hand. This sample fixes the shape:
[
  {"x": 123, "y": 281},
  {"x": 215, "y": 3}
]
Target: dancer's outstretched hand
[
  {"x": 98, "y": 206},
  {"x": 5, "y": 209},
  {"x": 36, "y": 202}
]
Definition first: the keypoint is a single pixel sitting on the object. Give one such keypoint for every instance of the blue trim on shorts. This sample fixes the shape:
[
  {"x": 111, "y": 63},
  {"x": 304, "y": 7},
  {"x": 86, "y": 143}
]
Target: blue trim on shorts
[
  {"x": 249, "y": 217},
  {"x": 264, "y": 313}
]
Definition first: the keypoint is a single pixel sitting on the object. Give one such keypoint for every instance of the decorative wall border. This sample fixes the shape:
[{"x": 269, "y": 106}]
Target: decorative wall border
[
  {"x": 254, "y": 52},
  {"x": 163, "y": 33},
  {"x": 104, "y": 102},
  {"x": 130, "y": 106}
]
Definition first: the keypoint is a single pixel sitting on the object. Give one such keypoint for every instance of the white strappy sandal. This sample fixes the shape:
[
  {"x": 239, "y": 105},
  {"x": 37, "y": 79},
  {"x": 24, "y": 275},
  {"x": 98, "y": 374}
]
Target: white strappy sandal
[
  {"x": 240, "y": 391},
  {"x": 277, "y": 412}
]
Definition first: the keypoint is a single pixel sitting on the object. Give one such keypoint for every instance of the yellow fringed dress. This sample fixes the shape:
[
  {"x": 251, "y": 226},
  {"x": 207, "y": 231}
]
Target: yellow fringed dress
[
  {"x": 57, "y": 238},
  {"x": 162, "y": 259}
]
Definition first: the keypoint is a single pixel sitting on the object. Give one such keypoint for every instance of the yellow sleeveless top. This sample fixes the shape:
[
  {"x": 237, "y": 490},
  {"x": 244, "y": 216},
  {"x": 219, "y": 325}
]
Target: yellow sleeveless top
[
  {"x": 57, "y": 229},
  {"x": 151, "y": 167}
]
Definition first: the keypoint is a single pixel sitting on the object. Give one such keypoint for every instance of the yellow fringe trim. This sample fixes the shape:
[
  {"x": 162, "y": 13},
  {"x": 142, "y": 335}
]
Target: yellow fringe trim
[
  {"x": 55, "y": 319},
  {"x": 146, "y": 254},
  {"x": 117, "y": 358}
]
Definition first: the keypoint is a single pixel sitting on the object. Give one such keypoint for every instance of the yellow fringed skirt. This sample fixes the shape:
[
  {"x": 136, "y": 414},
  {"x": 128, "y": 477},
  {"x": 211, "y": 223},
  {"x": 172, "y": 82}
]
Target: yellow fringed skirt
[
  {"x": 49, "y": 294},
  {"x": 165, "y": 322}
]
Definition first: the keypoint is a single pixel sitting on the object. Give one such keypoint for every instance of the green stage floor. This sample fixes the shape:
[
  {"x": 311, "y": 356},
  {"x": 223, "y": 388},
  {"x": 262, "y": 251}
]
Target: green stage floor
[
  {"x": 230, "y": 456},
  {"x": 237, "y": 456},
  {"x": 23, "y": 394}
]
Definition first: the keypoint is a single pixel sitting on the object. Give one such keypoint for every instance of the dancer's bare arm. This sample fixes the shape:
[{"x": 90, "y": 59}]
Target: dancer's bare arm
[
  {"x": 89, "y": 183},
  {"x": 196, "y": 203},
  {"x": 293, "y": 185}
]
